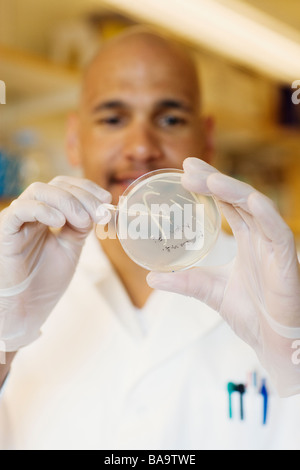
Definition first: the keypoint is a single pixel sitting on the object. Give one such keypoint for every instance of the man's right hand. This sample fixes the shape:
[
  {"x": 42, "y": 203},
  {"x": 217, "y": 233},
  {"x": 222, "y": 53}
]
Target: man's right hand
[{"x": 37, "y": 263}]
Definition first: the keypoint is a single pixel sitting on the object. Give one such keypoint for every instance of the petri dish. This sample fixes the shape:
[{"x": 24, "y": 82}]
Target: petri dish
[{"x": 162, "y": 226}]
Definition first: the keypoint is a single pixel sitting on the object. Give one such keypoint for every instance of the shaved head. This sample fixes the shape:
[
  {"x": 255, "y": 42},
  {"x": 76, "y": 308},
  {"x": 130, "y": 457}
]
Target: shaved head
[
  {"x": 142, "y": 44},
  {"x": 139, "y": 111}
]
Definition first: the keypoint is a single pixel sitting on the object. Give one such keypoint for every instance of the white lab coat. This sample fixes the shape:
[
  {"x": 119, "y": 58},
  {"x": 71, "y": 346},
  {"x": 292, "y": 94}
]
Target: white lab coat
[{"x": 106, "y": 376}]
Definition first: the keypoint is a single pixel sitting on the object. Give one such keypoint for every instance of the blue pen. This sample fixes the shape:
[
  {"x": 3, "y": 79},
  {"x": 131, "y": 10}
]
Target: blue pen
[{"x": 264, "y": 393}]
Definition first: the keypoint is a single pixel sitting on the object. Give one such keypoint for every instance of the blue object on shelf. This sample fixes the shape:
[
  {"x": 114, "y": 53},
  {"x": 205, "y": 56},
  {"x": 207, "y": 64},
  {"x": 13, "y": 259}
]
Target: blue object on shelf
[{"x": 10, "y": 181}]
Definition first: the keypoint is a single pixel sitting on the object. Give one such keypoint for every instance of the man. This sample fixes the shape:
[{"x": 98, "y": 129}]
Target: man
[{"x": 118, "y": 366}]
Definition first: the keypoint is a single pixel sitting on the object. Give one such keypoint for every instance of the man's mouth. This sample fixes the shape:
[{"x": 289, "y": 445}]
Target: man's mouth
[{"x": 126, "y": 179}]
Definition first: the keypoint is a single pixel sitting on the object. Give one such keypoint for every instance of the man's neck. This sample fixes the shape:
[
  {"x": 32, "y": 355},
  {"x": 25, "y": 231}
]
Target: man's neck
[{"x": 132, "y": 276}]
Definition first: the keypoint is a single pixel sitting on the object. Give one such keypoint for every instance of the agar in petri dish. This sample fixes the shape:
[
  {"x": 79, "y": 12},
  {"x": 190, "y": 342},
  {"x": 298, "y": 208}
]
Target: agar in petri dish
[{"x": 162, "y": 226}]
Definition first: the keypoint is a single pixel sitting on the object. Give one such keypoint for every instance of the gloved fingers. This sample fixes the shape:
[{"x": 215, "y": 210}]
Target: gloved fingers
[
  {"x": 252, "y": 225},
  {"x": 195, "y": 179},
  {"x": 196, "y": 165},
  {"x": 73, "y": 210},
  {"x": 205, "y": 179},
  {"x": 23, "y": 211},
  {"x": 195, "y": 175},
  {"x": 230, "y": 190},
  {"x": 91, "y": 201},
  {"x": 206, "y": 284},
  {"x": 273, "y": 226},
  {"x": 85, "y": 184},
  {"x": 268, "y": 217},
  {"x": 243, "y": 225},
  {"x": 253, "y": 206},
  {"x": 258, "y": 211},
  {"x": 192, "y": 165},
  {"x": 199, "y": 176},
  {"x": 235, "y": 218}
]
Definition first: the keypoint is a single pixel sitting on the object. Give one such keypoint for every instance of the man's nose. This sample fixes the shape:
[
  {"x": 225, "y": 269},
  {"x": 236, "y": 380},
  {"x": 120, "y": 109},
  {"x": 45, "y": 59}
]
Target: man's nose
[{"x": 142, "y": 144}]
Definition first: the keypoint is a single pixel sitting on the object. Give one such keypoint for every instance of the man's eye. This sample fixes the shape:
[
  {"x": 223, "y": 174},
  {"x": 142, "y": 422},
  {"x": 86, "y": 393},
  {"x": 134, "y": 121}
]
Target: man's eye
[
  {"x": 171, "y": 121},
  {"x": 111, "y": 121}
]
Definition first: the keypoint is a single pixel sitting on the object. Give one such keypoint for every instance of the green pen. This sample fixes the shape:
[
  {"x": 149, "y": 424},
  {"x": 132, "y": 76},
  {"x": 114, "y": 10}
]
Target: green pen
[{"x": 231, "y": 387}]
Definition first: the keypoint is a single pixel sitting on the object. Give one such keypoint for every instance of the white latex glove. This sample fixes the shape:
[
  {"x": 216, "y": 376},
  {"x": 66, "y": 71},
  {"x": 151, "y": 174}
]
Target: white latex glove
[
  {"x": 36, "y": 262},
  {"x": 258, "y": 294}
]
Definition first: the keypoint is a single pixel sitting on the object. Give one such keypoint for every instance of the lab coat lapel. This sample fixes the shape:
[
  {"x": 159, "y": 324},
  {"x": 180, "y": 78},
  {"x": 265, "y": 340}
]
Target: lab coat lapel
[
  {"x": 175, "y": 321},
  {"x": 107, "y": 286},
  {"x": 179, "y": 322},
  {"x": 109, "y": 296}
]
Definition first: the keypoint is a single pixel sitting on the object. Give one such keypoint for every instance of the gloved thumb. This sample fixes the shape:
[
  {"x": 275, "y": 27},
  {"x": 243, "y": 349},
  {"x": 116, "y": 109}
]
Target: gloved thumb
[{"x": 206, "y": 284}]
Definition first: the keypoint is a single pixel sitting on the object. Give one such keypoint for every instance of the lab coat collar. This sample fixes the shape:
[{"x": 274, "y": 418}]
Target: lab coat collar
[
  {"x": 173, "y": 320},
  {"x": 93, "y": 260}
]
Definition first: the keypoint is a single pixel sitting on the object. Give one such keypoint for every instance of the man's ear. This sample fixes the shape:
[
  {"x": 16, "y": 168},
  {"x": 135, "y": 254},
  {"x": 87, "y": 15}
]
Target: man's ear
[
  {"x": 208, "y": 124},
  {"x": 72, "y": 140}
]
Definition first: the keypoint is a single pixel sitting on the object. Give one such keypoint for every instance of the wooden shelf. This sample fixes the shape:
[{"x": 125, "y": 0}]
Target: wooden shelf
[
  {"x": 35, "y": 87},
  {"x": 28, "y": 75}
]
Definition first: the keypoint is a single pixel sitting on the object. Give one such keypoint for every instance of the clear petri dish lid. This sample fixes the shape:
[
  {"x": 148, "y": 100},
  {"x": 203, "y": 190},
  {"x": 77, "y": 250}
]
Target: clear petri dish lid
[{"x": 162, "y": 226}]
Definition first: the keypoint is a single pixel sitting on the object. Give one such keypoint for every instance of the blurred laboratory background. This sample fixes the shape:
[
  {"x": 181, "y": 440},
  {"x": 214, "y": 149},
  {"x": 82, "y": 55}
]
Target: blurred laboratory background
[{"x": 248, "y": 53}]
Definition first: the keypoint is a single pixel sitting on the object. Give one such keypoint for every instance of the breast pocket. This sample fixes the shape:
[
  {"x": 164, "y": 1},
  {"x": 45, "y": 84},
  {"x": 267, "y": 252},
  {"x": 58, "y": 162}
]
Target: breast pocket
[{"x": 244, "y": 416}]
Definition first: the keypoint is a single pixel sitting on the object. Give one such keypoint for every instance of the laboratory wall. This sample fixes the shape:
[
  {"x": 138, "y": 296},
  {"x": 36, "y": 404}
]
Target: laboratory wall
[{"x": 43, "y": 49}]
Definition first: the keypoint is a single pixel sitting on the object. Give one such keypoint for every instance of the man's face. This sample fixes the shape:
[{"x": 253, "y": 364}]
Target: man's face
[{"x": 139, "y": 113}]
